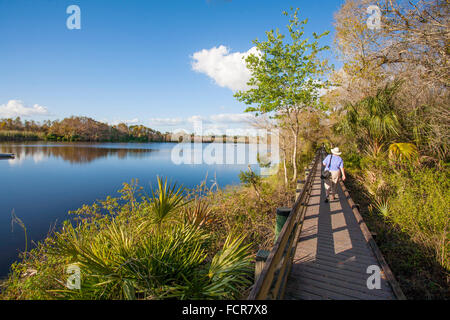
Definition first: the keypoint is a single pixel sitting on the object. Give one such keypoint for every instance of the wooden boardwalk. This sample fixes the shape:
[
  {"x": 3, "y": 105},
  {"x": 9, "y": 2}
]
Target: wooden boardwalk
[{"x": 332, "y": 255}]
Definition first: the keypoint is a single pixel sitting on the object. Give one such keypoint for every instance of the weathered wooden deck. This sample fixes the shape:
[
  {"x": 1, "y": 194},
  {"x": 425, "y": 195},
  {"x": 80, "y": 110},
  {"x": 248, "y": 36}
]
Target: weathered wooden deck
[{"x": 332, "y": 254}]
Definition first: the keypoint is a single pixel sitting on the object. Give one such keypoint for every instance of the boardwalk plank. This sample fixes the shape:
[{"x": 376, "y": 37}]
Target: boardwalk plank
[
  {"x": 332, "y": 271},
  {"x": 332, "y": 254},
  {"x": 346, "y": 283},
  {"x": 327, "y": 288}
]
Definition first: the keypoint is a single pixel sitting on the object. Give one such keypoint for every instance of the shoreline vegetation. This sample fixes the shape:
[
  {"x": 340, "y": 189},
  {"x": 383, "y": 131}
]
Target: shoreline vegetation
[
  {"x": 84, "y": 129},
  {"x": 167, "y": 243},
  {"x": 414, "y": 259},
  {"x": 76, "y": 129},
  {"x": 391, "y": 120},
  {"x": 386, "y": 109}
]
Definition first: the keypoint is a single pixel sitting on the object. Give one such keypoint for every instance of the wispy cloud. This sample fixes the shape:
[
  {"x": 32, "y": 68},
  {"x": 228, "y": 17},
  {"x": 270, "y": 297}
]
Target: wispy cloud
[
  {"x": 166, "y": 122},
  {"x": 225, "y": 68},
  {"x": 16, "y": 108},
  {"x": 116, "y": 122}
]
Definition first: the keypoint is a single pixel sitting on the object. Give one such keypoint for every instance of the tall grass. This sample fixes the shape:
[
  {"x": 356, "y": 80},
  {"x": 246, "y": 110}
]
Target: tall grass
[
  {"x": 170, "y": 243},
  {"x": 12, "y": 135},
  {"x": 413, "y": 198},
  {"x": 420, "y": 207}
]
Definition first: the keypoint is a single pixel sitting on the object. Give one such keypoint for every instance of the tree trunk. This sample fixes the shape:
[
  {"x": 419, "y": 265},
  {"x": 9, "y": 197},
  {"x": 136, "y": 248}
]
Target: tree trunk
[
  {"x": 294, "y": 157},
  {"x": 285, "y": 170},
  {"x": 254, "y": 185}
]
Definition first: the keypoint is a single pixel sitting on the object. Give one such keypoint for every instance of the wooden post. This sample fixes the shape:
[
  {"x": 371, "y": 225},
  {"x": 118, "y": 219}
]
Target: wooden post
[{"x": 261, "y": 257}]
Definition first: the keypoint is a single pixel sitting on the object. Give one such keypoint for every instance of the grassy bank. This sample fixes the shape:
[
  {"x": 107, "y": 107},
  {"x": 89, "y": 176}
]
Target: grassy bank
[{"x": 155, "y": 244}]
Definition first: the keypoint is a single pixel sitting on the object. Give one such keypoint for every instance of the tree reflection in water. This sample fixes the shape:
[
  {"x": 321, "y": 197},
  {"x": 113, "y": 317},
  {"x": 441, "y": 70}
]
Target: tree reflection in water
[{"x": 73, "y": 153}]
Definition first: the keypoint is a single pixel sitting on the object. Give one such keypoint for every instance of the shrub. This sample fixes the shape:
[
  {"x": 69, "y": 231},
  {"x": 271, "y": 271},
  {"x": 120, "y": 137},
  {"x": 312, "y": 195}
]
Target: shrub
[
  {"x": 130, "y": 249},
  {"x": 420, "y": 208}
]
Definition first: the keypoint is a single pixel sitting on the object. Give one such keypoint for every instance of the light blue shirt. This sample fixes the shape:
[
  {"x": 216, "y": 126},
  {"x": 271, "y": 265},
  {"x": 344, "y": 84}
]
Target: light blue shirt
[{"x": 336, "y": 163}]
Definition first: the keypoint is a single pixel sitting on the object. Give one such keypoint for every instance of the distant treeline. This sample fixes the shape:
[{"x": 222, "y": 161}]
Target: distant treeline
[{"x": 76, "y": 129}]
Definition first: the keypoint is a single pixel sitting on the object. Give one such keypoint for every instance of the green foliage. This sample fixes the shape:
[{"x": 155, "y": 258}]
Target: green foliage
[
  {"x": 373, "y": 120},
  {"x": 284, "y": 74},
  {"x": 75, "y": 129},
  {"x": 352, "y": 161},
  {"x": 419, "y": 208},
  {"x": 396, "y": 116},
  {"x": 14, "y": 135},
  {"x": 405, "y": 192},
  {"x": 129, "y": 254},
  {"x": 413, "y": 199},
  {"x": 229, "y": 266},
  {"x": 403, "y": 152},
  {"x": 198, "y": 214},
  {"x": 165, "y": 200},
  {"x": 16, "y": 220},
  {"x": 249, "y": 178}
]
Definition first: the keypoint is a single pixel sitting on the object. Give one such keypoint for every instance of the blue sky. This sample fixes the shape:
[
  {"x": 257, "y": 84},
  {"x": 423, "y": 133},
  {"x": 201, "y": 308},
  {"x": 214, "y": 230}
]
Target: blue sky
[{"x": 134, "y": 60}]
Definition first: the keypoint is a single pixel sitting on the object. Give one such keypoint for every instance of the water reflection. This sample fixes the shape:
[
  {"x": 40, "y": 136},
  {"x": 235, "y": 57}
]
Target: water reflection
[
  {"x": 71, "y": 153},
  {"x": 46, "y": 180}
]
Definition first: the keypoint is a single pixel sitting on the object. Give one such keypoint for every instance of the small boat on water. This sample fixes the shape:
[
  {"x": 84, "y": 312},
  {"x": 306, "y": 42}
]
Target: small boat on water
[{"x": 7, "y": 156}]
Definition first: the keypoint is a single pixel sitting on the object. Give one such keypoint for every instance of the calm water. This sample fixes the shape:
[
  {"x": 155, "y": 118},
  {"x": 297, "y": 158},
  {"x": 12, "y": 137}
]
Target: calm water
[{"x": 45, "y": 181}]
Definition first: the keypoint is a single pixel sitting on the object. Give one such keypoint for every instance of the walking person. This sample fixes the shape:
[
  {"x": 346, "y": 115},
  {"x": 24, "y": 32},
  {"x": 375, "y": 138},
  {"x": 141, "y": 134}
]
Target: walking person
[{"x": 335, "y": 165}]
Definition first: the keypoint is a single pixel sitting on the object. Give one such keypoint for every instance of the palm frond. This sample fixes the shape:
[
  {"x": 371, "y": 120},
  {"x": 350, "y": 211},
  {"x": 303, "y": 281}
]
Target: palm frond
[
  {"x": 165, "y": 200},
  {"x": 403, "y": 151},
  {"x": 230, "y": 268},
  {"x": 199, "y": 214}
]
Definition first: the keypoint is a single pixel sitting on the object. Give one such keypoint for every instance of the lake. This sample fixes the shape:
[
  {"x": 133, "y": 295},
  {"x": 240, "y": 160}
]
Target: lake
[{"x": 46, "y": 180}]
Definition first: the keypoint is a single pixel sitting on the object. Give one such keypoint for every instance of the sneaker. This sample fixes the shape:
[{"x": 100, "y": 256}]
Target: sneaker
[{"x": 326, "y": 200}]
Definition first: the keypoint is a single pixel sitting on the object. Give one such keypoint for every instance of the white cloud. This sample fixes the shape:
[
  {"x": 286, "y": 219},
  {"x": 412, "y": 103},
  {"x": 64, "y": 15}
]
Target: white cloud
[
  {"x": 216, "y": 124},
  {"x": 180, "y": 131},
  {"x": 166, "y": 122},
  {"x": 225, "y": 68},
  {"x": 232, "y": 117},
  {"x": 132, "y": 121},
  {"x": 128, "y": 122},
  {"x": 16, "y": 108},
  {"x": 116, "y": 122},
  {"x": 195, "y": 119}
]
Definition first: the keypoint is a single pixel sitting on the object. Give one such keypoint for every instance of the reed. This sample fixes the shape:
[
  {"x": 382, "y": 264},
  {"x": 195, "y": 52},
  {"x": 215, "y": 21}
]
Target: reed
[{"x": 13, "y": 135}]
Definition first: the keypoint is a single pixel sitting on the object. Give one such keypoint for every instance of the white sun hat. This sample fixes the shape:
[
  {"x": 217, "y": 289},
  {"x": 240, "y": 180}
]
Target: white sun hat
[{"x": 336, "y": 151}]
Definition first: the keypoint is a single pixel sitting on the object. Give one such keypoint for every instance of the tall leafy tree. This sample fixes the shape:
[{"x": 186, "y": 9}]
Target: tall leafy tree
[{"x": 286, "y": 76}]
